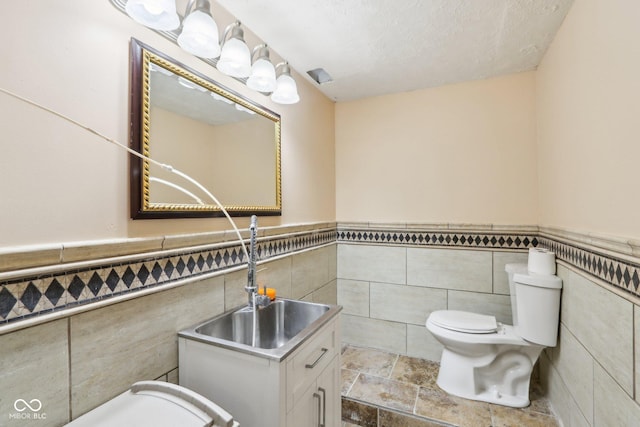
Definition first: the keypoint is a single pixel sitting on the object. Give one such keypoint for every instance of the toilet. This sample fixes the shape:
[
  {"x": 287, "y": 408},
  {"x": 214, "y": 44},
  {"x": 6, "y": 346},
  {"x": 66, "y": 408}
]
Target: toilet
[
  {"x": 488, "y": 361},
  {"x": 156, "y": 404}
]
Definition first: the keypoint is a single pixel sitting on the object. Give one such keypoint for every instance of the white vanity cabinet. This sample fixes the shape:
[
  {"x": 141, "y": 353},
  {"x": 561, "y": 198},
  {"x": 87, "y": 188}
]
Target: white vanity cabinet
[
  {"x": 300, "y": 390},
  {"x": 319, "y": 405}
]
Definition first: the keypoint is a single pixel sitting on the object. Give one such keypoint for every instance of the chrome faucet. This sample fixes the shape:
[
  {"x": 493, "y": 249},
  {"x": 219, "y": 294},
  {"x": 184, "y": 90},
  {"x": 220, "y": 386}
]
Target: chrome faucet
[{"x": 254, "y": 299}]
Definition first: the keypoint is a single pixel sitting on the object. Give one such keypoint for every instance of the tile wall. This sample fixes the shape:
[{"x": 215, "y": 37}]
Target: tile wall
[
  {"x": 387, "y": 292},
  {"x": 93, "y": 352},
  {"x": 390, "y": 279},
  {"x": 387, "y": 277},
  {"x": 592, "y": 375}
]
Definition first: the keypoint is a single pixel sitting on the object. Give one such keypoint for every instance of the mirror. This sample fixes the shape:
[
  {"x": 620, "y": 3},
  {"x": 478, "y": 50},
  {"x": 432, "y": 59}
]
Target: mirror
[{"x": 224, "y": 141}]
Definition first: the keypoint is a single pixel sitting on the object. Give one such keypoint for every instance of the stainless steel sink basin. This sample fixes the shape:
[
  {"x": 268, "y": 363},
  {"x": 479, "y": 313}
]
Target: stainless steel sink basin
[{"x": 281, "y": 327}]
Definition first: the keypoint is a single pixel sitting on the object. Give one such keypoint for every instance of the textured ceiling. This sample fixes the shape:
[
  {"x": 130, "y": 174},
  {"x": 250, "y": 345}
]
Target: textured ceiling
[{"x": 375, "y": 47}]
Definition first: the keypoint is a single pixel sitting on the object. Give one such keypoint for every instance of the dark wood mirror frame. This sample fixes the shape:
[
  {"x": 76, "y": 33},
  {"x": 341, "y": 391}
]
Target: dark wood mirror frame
[{"x": 141, "y": 205}]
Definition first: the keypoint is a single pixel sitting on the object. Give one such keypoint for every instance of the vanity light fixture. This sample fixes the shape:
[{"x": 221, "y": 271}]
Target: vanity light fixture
[
  {"x": 156, "y": 14},
  {"x": 263, "y": 73},
  {"x": 286, "y": 90},
  {"x": 199, "y": 35},
  {"x": 235, "y": 58}
]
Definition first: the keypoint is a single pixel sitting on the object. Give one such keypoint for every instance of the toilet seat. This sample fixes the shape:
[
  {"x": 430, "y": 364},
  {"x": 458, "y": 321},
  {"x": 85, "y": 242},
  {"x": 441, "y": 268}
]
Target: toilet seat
[{"x": 464, "y": 321}]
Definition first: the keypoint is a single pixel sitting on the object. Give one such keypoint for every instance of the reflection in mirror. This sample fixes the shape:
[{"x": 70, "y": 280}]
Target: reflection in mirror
[{"x": 224, "y": 141}]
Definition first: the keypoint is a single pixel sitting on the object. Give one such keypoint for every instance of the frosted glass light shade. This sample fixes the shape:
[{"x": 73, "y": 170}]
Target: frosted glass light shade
[
  {"x": 199, "y": 35},
  {"x": 263, "y": 76},
  {"x": 286, "y": 91},
  {"x": 235, "y": 59},
  {"x": 156, "y": 14}
]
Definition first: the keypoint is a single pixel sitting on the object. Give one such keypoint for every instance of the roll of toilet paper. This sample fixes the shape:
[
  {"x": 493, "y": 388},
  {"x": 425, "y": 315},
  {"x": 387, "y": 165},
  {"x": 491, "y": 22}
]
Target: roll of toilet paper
[{"x": 541, "y": 261}]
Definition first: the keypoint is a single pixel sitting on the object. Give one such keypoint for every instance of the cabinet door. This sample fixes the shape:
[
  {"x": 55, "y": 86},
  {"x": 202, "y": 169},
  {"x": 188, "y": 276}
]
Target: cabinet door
[
  {"x": 306, "y": 412},
  {"x": 328, "y": 387},
  {"x": 320, "y": 405}
]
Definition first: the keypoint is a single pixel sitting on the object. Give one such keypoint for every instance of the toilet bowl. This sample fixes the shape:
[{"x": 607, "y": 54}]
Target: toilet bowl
[{"x": 488, "y": 361}]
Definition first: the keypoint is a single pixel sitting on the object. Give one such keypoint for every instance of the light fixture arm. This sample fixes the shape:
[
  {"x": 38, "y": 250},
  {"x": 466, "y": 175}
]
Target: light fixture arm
[
  {"x": 263, "y": 52},
  {"x": 285, "y": 67},
  {"x": 201, "y": 5},
  {"x": 235, "y": 32}
]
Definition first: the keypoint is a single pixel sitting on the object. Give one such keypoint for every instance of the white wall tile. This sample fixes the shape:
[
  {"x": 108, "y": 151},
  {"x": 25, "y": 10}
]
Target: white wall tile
[
  {"x": 137, "y": 340},
  {"x": 602, "y": 321},
  {"x": 421, "y": 343},
  {"x": 613, "y": 407},
  {"x": 450, "y": 269},
  {"x": 276, "y": 274},
  {"x": 380, "y": 334},
  {"x": 490, "y": 304},
  {"x": 234, "y": 292},
  {"x": 636, "y": 316},
  {"x": 575, "y": 366},
  {"x": 309, "y": 271},
  {"x": 372, "y": 263},
  {"x": 500, "y": 278},
  {"x": 34, "y": 364},
  {"x": 353, "y": 296},
  {"x": 406, "y": 304},
  {"x": 328, "y": 294},
  {"x": 564, "y": 407},
  {"x": 332, "y": 254}
]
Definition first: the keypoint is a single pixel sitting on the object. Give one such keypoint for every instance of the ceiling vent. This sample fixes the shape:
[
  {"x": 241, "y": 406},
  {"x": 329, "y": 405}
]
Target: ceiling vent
[{"x": 320, "y": 76}]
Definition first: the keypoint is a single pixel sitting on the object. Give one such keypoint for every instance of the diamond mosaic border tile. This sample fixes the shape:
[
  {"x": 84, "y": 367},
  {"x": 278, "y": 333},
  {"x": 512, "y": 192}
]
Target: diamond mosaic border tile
[
  {"x": 622, "y": 274},
  {"x": 614, "y": 271},
  {"x": 438, "y": 238},
  {"x": 27, "y": 297}
]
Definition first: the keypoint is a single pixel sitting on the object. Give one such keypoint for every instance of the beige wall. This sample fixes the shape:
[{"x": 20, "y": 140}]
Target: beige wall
[
  {"x": 588, "y": 108},
  {"x": 59, "y": 183},
  {"x": 459, "y": 153}
]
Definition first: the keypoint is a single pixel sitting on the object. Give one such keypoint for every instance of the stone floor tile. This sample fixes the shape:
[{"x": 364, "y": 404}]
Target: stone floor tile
[
  {"x": 416, "y": 371},
  {"x": 512, "y": 417},
  {"x": 359, "y": 414},
  {"x": 348, "y": 378},
  {"x": 370, "y": 361},
  {"x": 395, "y": 419},
  {"x": 438, "y": 405},
  {"x": 384, "y": 392}
]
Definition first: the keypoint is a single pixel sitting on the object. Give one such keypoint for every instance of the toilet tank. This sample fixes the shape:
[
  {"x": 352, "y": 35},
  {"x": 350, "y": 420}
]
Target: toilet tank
[
  {"x": 537, "y": 300},
  {"x": 512, "y": 269}
]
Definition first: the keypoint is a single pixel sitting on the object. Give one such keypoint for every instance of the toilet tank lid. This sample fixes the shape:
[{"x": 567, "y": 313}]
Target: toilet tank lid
[
  {"x": 540, "y": 280},
  {"x": 464, "y": 321}
]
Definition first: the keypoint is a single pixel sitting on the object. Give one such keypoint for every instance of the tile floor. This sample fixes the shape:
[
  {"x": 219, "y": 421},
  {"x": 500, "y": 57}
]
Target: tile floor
[{"x": 381, "y": 389}]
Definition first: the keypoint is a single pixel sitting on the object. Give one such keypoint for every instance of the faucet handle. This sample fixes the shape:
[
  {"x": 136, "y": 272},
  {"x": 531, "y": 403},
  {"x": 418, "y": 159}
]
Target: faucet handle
[{"x": 262, "y": 300}]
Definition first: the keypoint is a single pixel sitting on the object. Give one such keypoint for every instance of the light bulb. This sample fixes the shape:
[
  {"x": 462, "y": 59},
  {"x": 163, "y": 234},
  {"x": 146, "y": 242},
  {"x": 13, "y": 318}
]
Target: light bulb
[
  {"x": 199, "y": 35},
  {"x": 156, "y": 14}
]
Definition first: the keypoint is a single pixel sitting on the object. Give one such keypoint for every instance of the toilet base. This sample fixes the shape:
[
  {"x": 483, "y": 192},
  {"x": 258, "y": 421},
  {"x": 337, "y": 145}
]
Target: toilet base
[
  {"x": 494, "y": 396},
  {"x": 502, "y": 378}
]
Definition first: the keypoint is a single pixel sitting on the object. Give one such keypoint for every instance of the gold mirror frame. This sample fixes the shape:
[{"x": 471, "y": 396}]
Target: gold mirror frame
[{"x": 142, "y": 206}]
